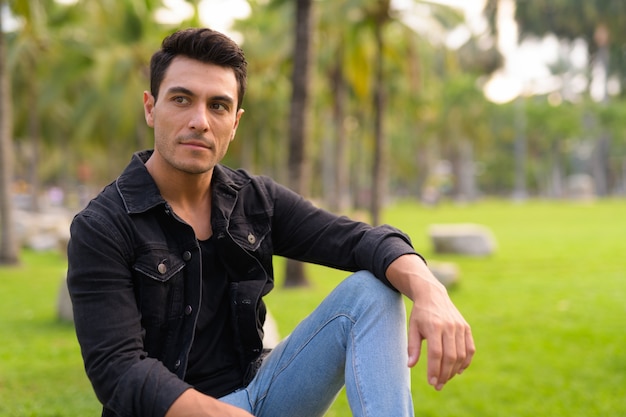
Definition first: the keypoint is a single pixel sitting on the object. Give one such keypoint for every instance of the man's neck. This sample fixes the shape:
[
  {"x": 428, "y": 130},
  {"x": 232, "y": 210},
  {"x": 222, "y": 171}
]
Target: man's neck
[{"x": 189, "y": 195}]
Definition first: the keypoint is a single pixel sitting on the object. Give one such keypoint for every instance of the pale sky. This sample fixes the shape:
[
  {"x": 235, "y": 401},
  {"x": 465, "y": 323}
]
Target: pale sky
[
  {"x": 216, "y": 14},
  {"x": 524, "y": 70}
]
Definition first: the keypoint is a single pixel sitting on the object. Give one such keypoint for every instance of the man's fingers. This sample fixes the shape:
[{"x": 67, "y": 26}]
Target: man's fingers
[
  {"x": 470, "y": 349},
  {"x": 414, "y": 345},
  {"x": 449, "y": 353},
  {"x": 449, "y": 340},
  {"x": 453, "y": 355},
  {"x": 435, "y": 357}
]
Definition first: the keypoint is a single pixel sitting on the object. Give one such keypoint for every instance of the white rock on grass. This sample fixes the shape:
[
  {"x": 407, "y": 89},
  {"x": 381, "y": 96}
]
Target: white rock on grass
[
  {"x": 446, "y": 272},
  {"x": 462, "y": 238}
]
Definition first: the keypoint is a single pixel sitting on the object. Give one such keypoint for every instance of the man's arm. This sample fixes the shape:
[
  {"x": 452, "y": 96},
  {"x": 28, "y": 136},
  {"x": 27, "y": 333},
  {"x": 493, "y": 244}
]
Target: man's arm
[
  {"x": 193, "y": 403},
  {"x": 433, "y": 318},
  {"x": 108, "y": 322}
]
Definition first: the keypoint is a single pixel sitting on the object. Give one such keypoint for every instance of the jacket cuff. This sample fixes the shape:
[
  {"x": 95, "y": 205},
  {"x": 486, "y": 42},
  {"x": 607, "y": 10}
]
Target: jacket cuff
[
  {"x": 387, "y": 244},
  {"x": 151, "y": 393}
]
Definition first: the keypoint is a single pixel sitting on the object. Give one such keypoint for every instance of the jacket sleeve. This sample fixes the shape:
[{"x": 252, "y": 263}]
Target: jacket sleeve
[
  {"x": 307, "y": 233},
  {"x": 107, "y": 322}
]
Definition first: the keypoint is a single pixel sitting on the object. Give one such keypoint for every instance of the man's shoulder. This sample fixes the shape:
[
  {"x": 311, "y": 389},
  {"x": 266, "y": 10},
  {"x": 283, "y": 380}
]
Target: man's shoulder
[
  {"x": 240, "y": 177},
  {"x": 105, "y": 203}
]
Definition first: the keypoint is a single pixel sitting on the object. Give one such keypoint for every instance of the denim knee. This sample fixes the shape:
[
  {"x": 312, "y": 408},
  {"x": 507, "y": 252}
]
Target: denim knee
[{"x": 364, "y": 287}]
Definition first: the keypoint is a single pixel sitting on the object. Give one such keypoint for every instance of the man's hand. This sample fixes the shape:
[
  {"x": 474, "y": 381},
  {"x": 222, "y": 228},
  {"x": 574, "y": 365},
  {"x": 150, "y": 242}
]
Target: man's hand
[
  {"x": 193, "y": 403},
  {"x": 433, "y": 318}
]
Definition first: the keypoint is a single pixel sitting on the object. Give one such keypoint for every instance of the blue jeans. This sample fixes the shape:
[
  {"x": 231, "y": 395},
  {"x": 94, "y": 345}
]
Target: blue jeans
[{"x": 356, "y": 337}]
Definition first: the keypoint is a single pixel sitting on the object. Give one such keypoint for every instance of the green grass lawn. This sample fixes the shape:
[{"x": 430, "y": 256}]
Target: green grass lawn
[
  {"x": 41, "y": 371},
  {"x": 548, "y": 312}
]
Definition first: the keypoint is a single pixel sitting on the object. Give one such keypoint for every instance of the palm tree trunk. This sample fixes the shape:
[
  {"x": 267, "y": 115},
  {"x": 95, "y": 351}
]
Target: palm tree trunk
[
  {"x": 378, "y": 166},
  {"x": 600, "y": 159},
  {"x": 8, "y": 242},
  {"x": 467, "y": 177},
  {"x": 34, "y": 133},
  {"x": 519, "y": 150},
  {"x": 340, "y": 198},
  {"x": 555, "y": 189},
  {"x": 297, "y": 166}
]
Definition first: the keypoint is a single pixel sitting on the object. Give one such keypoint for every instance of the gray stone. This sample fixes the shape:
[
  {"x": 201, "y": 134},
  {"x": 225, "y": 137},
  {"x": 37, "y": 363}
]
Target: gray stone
[
  {"x": 42, "y": 242},
  {"x": 64, "y": 304},
  {"x": 42, "y": 231},
  {"x": 581, "y": 187},
  {"x": 446, "y": 272},
  {"x": 462, "y": 238}
]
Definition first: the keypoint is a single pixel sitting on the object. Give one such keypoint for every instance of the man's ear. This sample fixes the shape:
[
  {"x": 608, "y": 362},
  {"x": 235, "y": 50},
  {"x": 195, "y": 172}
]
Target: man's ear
[
  {"x": 238, "y": 117},
  {"x": 148, "y": 108}
]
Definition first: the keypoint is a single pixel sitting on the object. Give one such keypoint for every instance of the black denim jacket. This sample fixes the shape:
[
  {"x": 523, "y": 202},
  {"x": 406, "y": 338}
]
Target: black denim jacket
[{"x": 135, "y": 275}]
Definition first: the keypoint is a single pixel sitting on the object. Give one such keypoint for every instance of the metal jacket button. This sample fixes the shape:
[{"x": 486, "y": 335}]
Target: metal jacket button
[
  {"x": 188, "y": 310},
  {"x": 186, "y": 255},
  {"x": 251, "y": 238},
  {"x": 162, "y": 268}
]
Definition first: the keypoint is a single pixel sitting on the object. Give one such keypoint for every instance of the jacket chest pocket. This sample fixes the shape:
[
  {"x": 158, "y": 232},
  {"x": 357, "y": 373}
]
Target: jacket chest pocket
[
  {"x": 159, "y": 282},
  {"x": 251, "y": 232}
]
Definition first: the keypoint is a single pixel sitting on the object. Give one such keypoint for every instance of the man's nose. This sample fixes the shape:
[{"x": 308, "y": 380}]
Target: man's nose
[{"x": 199, "y": 120}]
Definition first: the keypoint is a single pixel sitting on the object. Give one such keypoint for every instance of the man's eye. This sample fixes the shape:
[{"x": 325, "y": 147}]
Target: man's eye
[
  {"x": 219, "y": 106},
  {"x": 180, "y": 100}
]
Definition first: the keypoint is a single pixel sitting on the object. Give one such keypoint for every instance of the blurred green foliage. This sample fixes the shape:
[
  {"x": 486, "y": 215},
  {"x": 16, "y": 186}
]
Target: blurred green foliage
[{"x": 78, "y": 73}]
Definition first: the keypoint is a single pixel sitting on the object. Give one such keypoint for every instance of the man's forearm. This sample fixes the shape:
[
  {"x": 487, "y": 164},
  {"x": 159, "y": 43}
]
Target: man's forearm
[{"x": 193, "y": 403}]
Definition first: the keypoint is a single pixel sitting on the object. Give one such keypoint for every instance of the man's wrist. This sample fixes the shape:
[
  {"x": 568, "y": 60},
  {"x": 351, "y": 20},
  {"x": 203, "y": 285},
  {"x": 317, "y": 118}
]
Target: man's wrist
[
  {"x": 410, "y": 275},
  {"x": 191, "y": 403}
]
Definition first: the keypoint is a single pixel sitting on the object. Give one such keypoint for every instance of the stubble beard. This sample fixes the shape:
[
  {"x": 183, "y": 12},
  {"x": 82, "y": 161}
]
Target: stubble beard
[{"x": 188, "y": 161}]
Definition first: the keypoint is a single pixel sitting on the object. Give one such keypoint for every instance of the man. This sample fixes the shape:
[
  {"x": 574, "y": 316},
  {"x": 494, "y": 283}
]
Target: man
[{"x": 169, "y": 264}]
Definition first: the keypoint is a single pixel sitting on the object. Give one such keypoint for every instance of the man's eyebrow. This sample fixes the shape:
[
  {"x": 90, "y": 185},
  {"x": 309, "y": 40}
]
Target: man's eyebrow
[
  {"x": 180, "y": 90},
  {"x": 225, "y": 99}
]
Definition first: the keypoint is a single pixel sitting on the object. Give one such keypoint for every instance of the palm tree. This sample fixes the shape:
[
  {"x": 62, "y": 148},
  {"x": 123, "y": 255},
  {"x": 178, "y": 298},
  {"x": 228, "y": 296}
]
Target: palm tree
[
  {"x": 118, "y": 49},
  {"x": 32, "y": 42},
  {"x": 298, "y": 120},
  {"x": 263, "y": 136},
  {"x": 341, "y": 63},
  {"x": 380, "y": 17},
  {"x": 8, "y": 242},
  {"x": 300, "y": 79}
]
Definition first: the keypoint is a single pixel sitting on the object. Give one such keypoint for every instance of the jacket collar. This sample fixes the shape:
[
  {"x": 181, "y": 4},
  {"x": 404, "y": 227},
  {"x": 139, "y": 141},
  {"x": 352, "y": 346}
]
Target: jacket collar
[
  {"x": 135, "y": 185},
  {"x": 140, "y": 193}
]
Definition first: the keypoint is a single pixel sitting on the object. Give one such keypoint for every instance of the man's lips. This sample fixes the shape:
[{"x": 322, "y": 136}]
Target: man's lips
[{"x": 196, "y": 144}]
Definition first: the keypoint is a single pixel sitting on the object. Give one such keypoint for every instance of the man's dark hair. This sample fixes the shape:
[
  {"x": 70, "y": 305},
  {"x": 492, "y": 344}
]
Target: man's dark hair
[{"x": 205, "y": 45}]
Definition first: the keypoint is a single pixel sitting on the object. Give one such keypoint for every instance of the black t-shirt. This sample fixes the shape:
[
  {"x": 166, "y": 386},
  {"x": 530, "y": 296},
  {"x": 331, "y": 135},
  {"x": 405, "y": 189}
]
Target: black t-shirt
[{"x": 214, "y": 367}]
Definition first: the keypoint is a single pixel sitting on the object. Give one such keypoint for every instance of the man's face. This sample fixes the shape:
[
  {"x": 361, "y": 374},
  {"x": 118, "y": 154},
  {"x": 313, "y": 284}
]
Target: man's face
[{"x": 195, "y": 116}]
